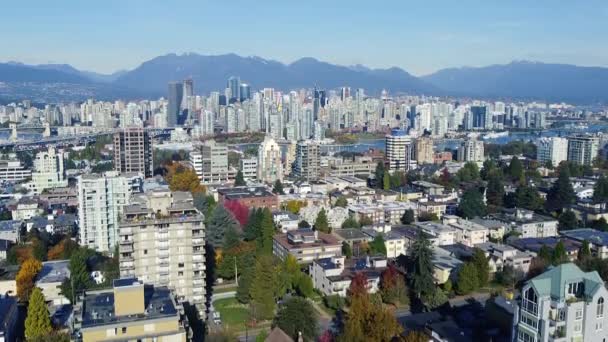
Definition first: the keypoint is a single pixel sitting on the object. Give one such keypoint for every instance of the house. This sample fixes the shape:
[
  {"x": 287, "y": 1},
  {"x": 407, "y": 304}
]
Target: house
[
  {"x": 332, "y": 276},
  {"x": 444, "y": 235},
  {"x": 445, "y": 266},
  {"x": 395, "y": 243},
  {"x": 527, "y": 223},
  {"x": 306, "y": 245},
  {"x": 496, "y": 229},
  {"x": 500, "y": 255},
  {"x": 598, "y": 241},
  {"x": 285, "y": 220},
  {"x": 25, "y": 209},
  {"x": 50, "y": 278},
  {"x": 468, "y": 232}
]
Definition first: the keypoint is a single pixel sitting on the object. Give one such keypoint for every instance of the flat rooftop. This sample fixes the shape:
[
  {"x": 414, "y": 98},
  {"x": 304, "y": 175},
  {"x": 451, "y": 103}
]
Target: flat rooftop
[
  {"x": 593, "y": 236},
  {"x": 244, "y": 192},
  {"x": 351, "y": 234},
  {"x": 53, "y": 272},
  {"x": 98, "y": 307}
]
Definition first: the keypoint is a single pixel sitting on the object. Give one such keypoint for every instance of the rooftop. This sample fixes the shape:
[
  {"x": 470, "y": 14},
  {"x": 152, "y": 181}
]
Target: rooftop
[
  {"x": 350, "y": 234},
  {"x": 535, "y": 244},
  {"x": 53, "y": 272},
  {"x": 98, "y": 307},
  {"x": 593, "y": 236},
  {"x": 554, "y": 281},
  {"x": 244, "y": 192}
]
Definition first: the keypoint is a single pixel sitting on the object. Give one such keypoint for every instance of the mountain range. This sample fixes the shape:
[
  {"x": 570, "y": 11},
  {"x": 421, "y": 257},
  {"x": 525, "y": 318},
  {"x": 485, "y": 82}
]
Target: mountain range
[{"x": 516, "y": 80}]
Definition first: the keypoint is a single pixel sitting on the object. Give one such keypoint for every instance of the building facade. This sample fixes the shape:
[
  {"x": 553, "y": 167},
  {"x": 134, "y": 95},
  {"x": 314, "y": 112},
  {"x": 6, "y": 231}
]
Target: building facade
[
  {"x": 270, "y": 166},
  {"x": 307, "y": 163},
  {"x": 583, "y": 149},
  {"x": 554, "y": 150},
  {"x": 133, "y": 151},
  {"x": 424, "y": 150},
  {"x": 48, "y": 171},
  {"x": 211, "y": 162},
  {"x": 471, "y": 150},
  {"x": 399, "y": 151}
]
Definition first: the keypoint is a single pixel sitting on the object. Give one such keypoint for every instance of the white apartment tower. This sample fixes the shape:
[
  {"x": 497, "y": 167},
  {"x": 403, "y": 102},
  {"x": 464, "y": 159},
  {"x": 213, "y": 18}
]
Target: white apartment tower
[
  {"x": 100, "y": 203},
  {"x": 270, "y": 167},
  {"x": 399, "y": 151},
  {"x": 471, "y": 150},
  {"x": 583, "y": 149},
  {"x": 48, "y": 171},
  {"x": 553, "y": 149}
]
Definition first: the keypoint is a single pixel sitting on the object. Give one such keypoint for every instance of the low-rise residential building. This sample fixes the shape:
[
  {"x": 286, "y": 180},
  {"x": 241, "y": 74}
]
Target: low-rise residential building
[
  {"x": 11, "y": 230},
  {"x": 445, "y": 266},
  {"x": 25, "y": 209},
  {"x": 527, "y": 223},
  {"x": 332, "y": 276},
  {"x": 395, "y": 243},
  {"x": 496, "y": 229},
  {"x": 598, "y": 241},
  {"x": 442, "y": 234},
  {"x": 251, "y": 197},
  {"x": 431, "y": 207},
  {"x": 285, "y": 220},
  {"x": 50, "y": 278},
  {"x": 500, "y": 255},
  {"x": 429, "y": 188},
  {"x": 468, "y": 232},
  {"x": 588, "y": 211},
  {"x": 13, "y": 171},
  {"x": 130, "y": 311},
  {"x": 249, "y": 168},
  {"x": 562, "y": 304},
  {"x": 306, "y": 245},
  {"x": 535, "y": 244},
  {"x": 352, "y": 236},
  {"x": 382, "y": 212}
]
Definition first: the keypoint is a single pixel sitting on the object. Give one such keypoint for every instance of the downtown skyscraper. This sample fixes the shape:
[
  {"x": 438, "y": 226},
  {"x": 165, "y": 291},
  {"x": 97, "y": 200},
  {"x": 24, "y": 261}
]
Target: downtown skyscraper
[{"x": 176, "y": 94}]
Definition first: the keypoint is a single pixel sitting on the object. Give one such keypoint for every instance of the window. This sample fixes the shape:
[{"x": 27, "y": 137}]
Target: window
[
  {"x": 529, "y": 303},
  {"x": 124, "y": 330},
  {"x": 599, "y": 326},
  {"x": 579, "y": 314},
  {"x": 600, "y": 307},
  {"x": 578, "y": 327},
  {"x": 180, "y": 265},
  {"x": 145, "y": 251}
]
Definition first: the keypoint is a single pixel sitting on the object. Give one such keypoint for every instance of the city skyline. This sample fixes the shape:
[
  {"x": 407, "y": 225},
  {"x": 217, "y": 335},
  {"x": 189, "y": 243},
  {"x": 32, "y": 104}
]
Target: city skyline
[{"x": 414, "y": 37}]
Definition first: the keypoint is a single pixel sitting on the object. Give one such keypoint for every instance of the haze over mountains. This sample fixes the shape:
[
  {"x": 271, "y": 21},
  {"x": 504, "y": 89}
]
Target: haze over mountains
[{"x": 517, "y": 80}]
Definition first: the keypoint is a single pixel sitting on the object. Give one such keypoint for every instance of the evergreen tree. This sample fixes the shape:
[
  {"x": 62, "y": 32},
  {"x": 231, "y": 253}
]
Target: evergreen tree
[
  {"x": 471, "y": 205},
  {"x": 527, "y": 197},
  {"x": 253, "y": 228},
  {"x": 243, "y": 291},
  {"x": 585, "y": 251},
  {"x": 239, "y": 180},
  {"x": 231, "y": 238},
  {"x": 515, "y": 169},
  {"x": 341, "y": 202},
  {"x": 262, "y": 290},
  {"x": 545, "y": 254},
  {"x": 435, "y": 299},
  {"x": 386, "y": 181},
  {"x": 295, "y": 316},
  {"x": 350, "y": 222},
  {"x": 38, "y": 322},
  {"x": 380, "y": 170},
  {"x": 489, "y": 167},
  {"x": 278, "y": 188},
  {"x": 408, "y": 217},
  {"x": 267, "y": 226},
  {"x": 422, "y": 266},
  {"x": 600, "y": 224},
  {"x": 559, "y": 254},
  {"x": 221, "y": 219},
  {"x": 468, "y": 173},
  {"x": 567, "y": 220},
  {"x": 468, "y": 279},
  {"x": 321, "y": 223},
  {"x": 481, "y": 264},
  {"x": 377, "y": 246},
  {"x": 347, "y": 250},
  {"x": 561, "y": 194},
  {"x": 600, "y": 190},
  {"x": 495, "y": 190}
]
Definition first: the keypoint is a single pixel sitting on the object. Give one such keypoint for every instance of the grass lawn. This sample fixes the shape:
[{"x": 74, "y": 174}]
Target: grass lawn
[
  {"x": 234, "y": 315},
  {"x": 225, "y": 289}
]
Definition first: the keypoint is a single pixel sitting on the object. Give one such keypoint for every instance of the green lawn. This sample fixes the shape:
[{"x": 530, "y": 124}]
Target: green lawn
[{"x": 234, "y": 315}]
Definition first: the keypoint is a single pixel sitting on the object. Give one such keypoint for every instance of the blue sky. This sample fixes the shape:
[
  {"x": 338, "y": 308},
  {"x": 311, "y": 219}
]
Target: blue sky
[{"x": 418, "y": 36}]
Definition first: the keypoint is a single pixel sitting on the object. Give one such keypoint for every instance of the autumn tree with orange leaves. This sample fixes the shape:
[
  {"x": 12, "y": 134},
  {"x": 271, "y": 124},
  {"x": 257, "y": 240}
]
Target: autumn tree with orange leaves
[
  {"x": 181, "y": 178},
  {"x": 25, "y": 278}
]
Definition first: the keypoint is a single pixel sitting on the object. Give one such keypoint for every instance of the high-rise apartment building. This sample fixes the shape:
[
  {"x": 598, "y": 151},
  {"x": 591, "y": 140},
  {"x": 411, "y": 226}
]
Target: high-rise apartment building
[
  {"x": 210, "y": 162},
  {"x": 307, "y": 163},
  {"x": 244, "y": 92},
  {"x": 174, "y": 107},
  {"x": 471, "y": 150},
  {"x": 562, "y": 304},
  {"x": 554, "y": 150},
  {"x": 234, "y": 84},
  {"x": 270, "y": 167},
  {"x": 424, "y": 150},
  {"x": 101, "y": 199},
  {"x": 399, "y": 151},
  {"x": 583, "y": 149},
  {"x": 133, "y": 151},
  {"x": 162, "y": 242},
  {"x": 48, "y": 171}
]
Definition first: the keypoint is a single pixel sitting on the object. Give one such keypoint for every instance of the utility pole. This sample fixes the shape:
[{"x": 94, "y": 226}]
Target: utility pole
[{"x": 236, "y": 277}]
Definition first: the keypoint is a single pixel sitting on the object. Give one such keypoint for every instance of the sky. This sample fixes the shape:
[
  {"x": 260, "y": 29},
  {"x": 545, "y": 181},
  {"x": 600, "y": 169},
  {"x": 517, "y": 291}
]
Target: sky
[{"x": 419, "y": 36}]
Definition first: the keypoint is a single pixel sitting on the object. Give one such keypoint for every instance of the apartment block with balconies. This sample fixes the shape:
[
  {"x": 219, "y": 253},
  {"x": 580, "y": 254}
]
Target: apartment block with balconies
[
  {"x": 562, "y": 304},
  {"x": 162, "y": 239}
]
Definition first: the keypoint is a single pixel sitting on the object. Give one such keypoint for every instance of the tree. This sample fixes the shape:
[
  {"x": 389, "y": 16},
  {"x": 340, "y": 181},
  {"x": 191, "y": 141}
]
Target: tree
[
  {"x": 379, "y": 173},
  {"x": 231, "y": 238},
  {"x": 545, "y": 254},
  {"x": 425, "y": 216},
  {"x": 321, "y": 223},
  {"x": 347, "y": 251},
  {"x": 294, "y": 206},
  {"x": 408, "y": 217},
  {"x": 38, "y": 322},
  {"x": 62, "y": 250},
  {"x": 262, "y": 291},
  {"x": 238, "y": 210},
  {"x": 341, "y": 201},
  {"x": 567, "y": 220},
  {"x": 585, "y": 251},
  {"x": 386, "y": 181},
  {"x": 435, "y": 299},
  {"x": 515, "y": 169},
  {"x": 219, "y": 221},
  {"x": 297, "y": 315},
  {"x": 471, "y": 205},
  {"x": 468, "y": 173},
  {"x": 481, "y": 264},
  {"x": 350, "y": 222},
  {"x": 243, "y": 291},
  {"x": 267, "y": 228},
  {"x": 278, "y": 188},
  {"x": 183, "y": 179},
  {"x": 561, "y": 194},
  {"x": 527, "y": 197},
  {"x": 489, "y": 166},
  {"x": 378, "y": 246},
  {"x": 25, "y": 278},
  {"x": 397, "y": 179},
  {"x": 560, "y": 255},
  {"x": 303, "y": 224},
  {"x": 79, "y": 279},
  {"x": 495, "y": 190},
  {"x": 422, "y": 266},
  {"x": 253, "y": 229},
  {"x": 365, "y": 220},
  {"x": 239, "y": 180},
  {"x": 600, "y": 190},
  {"x": 600, "y": 224},
  {"x": 415, "y": 336},
  {"x": 537, "y": 266},
  {"x": 204, "y": 203},
  {"x": 468, "y": 279},
  {"x": 392, "y": 286}
]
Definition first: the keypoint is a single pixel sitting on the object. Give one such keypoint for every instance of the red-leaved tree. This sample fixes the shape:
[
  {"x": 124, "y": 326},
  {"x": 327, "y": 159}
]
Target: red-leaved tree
[
  {"x": 239, "y": 210},
  {"x": 358, "y": 285}
]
